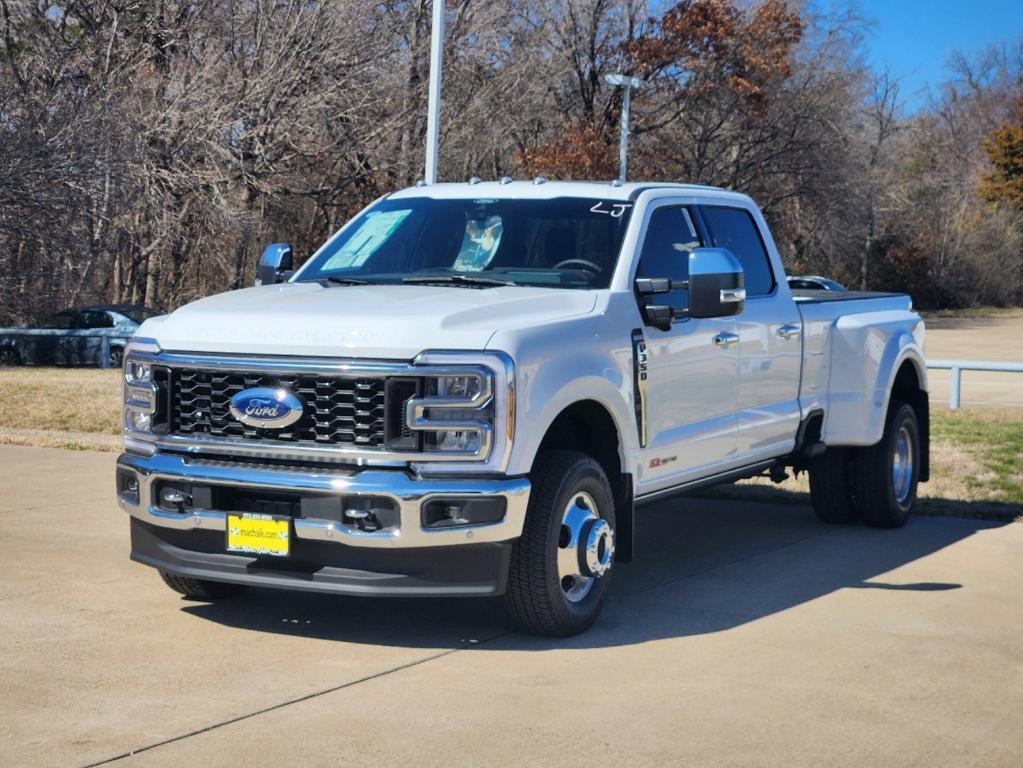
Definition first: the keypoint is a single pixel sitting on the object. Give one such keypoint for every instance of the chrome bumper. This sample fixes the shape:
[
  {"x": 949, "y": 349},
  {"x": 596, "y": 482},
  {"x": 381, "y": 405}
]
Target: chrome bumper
[{"x": 408, "y": 493}]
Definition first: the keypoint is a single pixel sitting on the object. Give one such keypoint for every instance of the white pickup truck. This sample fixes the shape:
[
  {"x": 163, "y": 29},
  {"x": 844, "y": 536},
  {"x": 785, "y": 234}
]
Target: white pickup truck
[{"x": 471, "y": 388}]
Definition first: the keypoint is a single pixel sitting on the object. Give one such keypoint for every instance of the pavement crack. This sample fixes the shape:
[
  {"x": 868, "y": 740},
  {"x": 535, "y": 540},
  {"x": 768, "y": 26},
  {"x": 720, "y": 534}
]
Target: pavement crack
[{"x": 290, "y": 702}]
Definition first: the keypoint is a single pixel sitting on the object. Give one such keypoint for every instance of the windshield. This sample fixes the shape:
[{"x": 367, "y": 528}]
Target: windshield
[{"x": 564, "y": 242}]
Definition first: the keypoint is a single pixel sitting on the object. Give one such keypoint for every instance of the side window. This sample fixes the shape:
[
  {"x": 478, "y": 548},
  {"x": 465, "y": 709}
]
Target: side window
[
  {"x": 734, "y": 229},
  {"x": 92, "y": 319},
  {"x": 62, "y": 321},
  {"x": 670, "y": 237}
]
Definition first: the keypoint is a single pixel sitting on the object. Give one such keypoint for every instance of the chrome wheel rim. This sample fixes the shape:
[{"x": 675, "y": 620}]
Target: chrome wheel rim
[
  {"x": 902, "y": 465},
  {"x": 585, "y": 547}
]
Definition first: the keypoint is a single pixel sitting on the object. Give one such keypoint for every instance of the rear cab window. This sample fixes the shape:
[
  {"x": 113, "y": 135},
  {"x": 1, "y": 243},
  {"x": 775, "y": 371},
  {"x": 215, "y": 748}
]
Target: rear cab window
[{"x": 736, "y": 230}]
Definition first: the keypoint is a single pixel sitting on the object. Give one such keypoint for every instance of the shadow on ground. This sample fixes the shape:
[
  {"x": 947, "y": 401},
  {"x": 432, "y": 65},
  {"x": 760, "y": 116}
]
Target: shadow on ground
[
  {"x": 928, "y": 506},
  {"x": 703, "y": 565}
]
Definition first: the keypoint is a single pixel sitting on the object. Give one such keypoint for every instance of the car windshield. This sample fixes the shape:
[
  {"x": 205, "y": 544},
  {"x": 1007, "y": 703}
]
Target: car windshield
[{"x": 563, "y": 242}]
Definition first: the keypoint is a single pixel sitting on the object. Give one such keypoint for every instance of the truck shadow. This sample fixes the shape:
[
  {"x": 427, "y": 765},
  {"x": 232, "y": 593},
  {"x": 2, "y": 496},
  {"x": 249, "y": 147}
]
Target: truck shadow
[{"x": 703, "y": 565}]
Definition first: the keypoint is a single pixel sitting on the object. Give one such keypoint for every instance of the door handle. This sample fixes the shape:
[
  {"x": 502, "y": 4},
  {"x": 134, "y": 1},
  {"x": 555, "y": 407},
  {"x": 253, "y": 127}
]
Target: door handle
[
  {"x": 725, "y": 339},
  {"x": 789, "y": 330}
]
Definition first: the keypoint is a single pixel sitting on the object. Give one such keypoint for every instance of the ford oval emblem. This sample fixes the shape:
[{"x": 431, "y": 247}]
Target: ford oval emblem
[{"x": 267, "y": 407}]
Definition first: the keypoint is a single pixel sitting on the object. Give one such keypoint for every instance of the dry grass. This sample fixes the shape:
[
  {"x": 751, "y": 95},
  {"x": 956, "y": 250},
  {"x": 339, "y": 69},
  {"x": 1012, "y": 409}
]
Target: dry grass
[{"x": 61, "y": 407}]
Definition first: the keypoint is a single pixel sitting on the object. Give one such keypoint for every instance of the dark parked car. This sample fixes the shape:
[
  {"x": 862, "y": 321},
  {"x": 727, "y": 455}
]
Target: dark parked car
[
  {"x": 814, "y": 283},
  {"x": 74, "y": 336}
]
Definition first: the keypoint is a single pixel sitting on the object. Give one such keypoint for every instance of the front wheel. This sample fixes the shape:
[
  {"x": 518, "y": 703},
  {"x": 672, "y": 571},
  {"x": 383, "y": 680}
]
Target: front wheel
[
  {"x": 561, "y": 566},
  {"x": 9, "y": 356},
  {"x": 886, "y": 474}
]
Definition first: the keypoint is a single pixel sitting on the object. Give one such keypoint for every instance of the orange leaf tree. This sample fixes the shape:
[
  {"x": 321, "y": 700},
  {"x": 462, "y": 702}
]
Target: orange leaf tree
[{"x": 1004, "y": 147}]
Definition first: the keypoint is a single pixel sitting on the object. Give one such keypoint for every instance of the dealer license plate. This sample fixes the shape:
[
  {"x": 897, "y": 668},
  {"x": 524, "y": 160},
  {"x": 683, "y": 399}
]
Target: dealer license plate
[{"x": 258, "y": 534}]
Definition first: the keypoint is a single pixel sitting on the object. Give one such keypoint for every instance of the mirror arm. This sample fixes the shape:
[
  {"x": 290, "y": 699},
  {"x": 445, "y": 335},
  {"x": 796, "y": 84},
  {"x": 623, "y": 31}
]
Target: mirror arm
[{"x": 651, "y": 286}]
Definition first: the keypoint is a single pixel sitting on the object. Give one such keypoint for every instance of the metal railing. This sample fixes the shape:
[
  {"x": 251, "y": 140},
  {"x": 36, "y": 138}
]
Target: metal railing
[
  {"x": 958, "y": 366},
  {"x": 102, "y": 354}
]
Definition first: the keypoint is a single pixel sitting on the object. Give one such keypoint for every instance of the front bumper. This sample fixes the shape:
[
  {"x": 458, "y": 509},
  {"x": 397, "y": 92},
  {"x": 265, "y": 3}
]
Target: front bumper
[{"x": 329, "y": 553}]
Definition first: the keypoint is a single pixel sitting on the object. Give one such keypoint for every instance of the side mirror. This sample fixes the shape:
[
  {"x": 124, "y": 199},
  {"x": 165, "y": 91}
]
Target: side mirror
[
  {"x": 716, "y": 283},
  {"x": 275, "y": 264},
  {"x": 716, "y": 289}
]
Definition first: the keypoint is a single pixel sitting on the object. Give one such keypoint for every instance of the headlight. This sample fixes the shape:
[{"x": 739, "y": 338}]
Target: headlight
[
  {"x": 456, "y": 412},
  {"x": 138, "y": 373},
  {"x": 463, "y": 409},
  {"x": 145, "y": 389},
  {"x": 466, "y": 388},
  {"x": 454, "y": 441},
  {"x": 138, "y": 421}
]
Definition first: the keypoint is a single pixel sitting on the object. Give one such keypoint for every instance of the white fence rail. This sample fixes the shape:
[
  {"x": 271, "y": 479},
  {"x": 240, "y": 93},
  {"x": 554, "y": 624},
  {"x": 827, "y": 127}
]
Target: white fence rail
[{"x": 958, "y": 366}]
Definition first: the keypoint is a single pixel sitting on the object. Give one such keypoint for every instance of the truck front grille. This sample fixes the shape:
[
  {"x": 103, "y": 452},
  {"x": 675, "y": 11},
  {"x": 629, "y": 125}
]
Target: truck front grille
[{"x": 336, "y": 411}]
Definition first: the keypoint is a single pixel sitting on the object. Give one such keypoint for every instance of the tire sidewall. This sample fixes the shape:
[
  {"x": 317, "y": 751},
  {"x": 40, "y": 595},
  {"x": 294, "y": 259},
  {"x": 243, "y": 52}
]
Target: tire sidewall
[
  {"x": 585, "y": 477},
  {"x": 903, "y": 416}
]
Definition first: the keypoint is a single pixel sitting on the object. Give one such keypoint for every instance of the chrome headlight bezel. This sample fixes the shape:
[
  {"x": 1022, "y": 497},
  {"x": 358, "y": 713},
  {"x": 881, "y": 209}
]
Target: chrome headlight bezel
[
  {"x": 140, "y": 391},
  {"x": 485, "y": 409}
]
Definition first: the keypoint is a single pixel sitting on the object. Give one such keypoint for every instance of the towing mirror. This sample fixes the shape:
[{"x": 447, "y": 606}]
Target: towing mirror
[
  {"x": 716, "y": 289},
  {"x": 275, "y": 264},
  {"x": 716, "y": 283}
]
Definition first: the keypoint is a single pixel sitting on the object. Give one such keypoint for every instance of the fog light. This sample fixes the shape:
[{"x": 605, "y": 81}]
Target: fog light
[
  {"x": 175, "y": 499},
  {"x": 449, "y": 513}
]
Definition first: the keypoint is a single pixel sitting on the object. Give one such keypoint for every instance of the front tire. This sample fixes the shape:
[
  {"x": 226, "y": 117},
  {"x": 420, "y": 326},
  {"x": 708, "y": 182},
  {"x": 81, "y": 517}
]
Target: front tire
[
  {"x": 561, "y": 566},
  {"x": 886, "y": 474},
  {"x": 200, "y": 589},
  {"x": 9, "y": 356}
]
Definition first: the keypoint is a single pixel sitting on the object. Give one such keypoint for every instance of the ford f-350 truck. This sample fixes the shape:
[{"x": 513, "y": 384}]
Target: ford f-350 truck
[{"x": 471, "y": 388}]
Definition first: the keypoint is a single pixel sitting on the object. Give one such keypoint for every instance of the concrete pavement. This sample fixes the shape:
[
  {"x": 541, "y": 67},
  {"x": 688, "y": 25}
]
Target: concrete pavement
[{"x": 744, "y": 634}]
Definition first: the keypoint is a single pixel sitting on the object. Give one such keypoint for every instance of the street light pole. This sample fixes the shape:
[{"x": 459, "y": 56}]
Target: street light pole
[
  {"x": 627, "y": 83},
  {"x": 433, "y": 103}
]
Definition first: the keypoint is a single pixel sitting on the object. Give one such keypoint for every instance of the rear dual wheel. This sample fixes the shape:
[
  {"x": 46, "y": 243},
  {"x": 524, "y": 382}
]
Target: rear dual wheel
[
  {"x": 877, "y": 484},
  {"x": 562, "y": 564}
]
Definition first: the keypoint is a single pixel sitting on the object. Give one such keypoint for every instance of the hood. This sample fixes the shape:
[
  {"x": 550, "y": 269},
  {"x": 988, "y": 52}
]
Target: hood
[{"x": 362, "y": 321}]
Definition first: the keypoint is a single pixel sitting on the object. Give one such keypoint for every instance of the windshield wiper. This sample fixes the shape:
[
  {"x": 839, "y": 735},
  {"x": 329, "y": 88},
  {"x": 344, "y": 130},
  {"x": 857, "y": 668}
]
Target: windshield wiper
[
  {"x": 346, "y": 280},
  {"x": 469, "y": 280}
]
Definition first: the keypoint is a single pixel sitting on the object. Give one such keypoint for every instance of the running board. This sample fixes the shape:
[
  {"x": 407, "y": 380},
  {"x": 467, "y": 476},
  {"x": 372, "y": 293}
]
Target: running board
[{"x": 693, "y": 485}]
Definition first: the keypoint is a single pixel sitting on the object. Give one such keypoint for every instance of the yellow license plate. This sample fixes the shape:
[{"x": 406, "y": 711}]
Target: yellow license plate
[{"x": 258, "y": 534}]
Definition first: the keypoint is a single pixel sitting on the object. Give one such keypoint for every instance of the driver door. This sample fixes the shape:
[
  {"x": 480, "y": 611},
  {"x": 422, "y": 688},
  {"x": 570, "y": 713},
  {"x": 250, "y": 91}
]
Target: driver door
[{"x": 692, "y": 369}]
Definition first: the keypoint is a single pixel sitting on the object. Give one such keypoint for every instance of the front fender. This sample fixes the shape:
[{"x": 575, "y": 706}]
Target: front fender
[{"x": 552, "y": 374}]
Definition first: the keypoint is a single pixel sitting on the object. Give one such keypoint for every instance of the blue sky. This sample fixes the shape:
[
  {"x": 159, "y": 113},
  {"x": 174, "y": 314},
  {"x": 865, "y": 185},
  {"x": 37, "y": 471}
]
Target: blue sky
[{"x": 914, "y": 37}]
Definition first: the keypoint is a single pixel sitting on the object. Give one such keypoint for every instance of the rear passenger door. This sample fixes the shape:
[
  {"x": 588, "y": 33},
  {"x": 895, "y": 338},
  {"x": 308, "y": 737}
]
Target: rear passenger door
[{"x": 770, "y": 348}]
